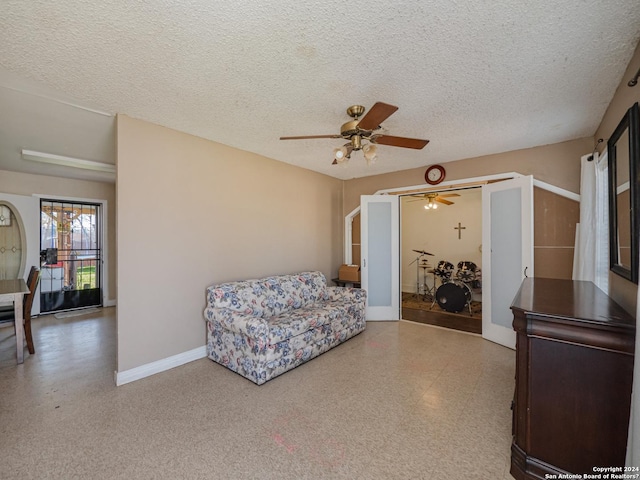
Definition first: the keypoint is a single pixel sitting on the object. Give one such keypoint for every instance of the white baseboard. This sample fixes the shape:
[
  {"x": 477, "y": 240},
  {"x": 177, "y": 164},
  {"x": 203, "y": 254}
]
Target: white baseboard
[
  {"x": 158, "y": 366},
  {"x": 109, "y": 303}
]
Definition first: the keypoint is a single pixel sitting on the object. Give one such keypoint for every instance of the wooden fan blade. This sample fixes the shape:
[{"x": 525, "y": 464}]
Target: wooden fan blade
[
  {"x": 399, "y": 141},
  {"x": 310, "y": 136},
  {"x": 376, "y": 115},
  {"x": 442, "y": 200},
  {"x": 449, "y": 195}
]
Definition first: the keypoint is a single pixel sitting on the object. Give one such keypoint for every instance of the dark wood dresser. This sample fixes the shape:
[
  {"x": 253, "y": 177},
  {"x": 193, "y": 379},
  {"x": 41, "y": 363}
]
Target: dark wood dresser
[{"x": 574, "y": 369}]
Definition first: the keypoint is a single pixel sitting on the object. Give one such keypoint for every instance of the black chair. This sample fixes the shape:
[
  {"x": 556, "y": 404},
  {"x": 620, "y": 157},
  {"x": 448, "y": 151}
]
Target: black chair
[{"x": 7, "y": 313}]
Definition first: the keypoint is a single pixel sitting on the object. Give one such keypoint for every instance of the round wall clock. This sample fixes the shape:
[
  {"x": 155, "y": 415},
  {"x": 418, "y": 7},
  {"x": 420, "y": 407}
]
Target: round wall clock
[{"x": 434, "y": 174}]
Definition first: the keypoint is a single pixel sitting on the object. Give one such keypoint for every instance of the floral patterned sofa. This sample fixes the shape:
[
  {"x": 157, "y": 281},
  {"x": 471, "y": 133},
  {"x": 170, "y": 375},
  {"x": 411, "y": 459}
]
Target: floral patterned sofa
[{"x": 262, "y": 328}]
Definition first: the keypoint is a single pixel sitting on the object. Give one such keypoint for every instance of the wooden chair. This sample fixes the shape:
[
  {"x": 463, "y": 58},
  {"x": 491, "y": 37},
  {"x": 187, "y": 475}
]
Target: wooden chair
[
  {"x": 32, "y": 284},
  {"x": 7, "y": 314}
]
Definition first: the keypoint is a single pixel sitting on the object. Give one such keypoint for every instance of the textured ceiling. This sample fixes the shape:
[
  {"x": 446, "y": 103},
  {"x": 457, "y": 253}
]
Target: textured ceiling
[{"x": 475, "y": 78}]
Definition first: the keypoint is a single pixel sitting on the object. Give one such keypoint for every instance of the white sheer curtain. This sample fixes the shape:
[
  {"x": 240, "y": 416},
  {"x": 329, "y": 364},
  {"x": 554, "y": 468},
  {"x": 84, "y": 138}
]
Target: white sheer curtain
[{"x": 591, "y": 254}]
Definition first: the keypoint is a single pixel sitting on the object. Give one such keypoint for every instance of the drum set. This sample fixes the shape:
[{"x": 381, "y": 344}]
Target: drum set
[
  {"x": 454, "y": 294},
  {"x": 455, "y": 290}
]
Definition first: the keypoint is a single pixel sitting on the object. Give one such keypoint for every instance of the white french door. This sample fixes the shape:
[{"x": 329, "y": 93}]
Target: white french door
[
  {"x": 507, "y": 253},
  {"x": 380, "y": 246}
]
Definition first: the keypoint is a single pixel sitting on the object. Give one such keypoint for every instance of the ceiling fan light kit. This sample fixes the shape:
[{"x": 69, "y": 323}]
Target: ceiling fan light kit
[
  {"x": 434, "y": 198},
  {"x": 362, "y": 129},
  {"x": 342, "y": 154},
  {"x": 370, "y": 152},
  {"x": 431, "y": 201}
]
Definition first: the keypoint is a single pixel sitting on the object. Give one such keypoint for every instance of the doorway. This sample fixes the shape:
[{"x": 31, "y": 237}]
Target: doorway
[
  {"x": 71, "y": 255},
  {"x": 550, "y": 245},
  {"x": 515, "y": 219},
  {"x": 441, "y": 258}
]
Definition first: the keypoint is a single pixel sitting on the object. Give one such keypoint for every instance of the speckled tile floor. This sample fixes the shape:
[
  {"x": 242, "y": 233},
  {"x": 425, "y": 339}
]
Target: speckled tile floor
[{"x": 401, "y": 400}]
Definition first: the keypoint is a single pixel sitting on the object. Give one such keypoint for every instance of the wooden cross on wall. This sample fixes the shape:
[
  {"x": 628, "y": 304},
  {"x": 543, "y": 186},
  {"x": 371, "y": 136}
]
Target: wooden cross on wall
[{"x": 459, "y": 228}]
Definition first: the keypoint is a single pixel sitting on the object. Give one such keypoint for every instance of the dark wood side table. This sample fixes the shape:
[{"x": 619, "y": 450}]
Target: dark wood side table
[{"x": 574, "y": 371}]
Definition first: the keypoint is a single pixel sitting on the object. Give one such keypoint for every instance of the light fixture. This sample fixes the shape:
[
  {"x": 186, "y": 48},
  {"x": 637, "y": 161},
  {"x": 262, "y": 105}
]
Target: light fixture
[
  {"x": 67, "y": 161},
  {"x": 342, "y": 154},
  {"x": 339, "y": 153},
  {"x": 370, "y": 152},
  {"x": 431, "y": 204}
]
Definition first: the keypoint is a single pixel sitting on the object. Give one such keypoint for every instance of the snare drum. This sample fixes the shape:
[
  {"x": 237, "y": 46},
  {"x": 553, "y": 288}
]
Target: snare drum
[
  {"x": 453, "y": 296},
  {"x": 466, "y": 271}
]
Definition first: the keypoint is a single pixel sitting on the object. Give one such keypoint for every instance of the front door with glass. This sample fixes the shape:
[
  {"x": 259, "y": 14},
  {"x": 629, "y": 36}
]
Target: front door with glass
[{"x": 71, "y": 255}]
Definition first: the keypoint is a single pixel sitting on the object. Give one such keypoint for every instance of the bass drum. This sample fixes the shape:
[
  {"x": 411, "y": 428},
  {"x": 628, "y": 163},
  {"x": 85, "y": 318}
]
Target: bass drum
[{"x": 453, "y": 296}]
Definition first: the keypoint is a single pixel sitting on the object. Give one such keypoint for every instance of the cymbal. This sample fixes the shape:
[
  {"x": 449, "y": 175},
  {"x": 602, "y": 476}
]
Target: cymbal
[{"x": 423, "y": 252}]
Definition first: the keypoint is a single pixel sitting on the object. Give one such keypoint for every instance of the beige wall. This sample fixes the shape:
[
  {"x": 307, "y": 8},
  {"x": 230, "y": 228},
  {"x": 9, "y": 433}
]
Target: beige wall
[
  {"x": 620, "y": 289},
  {"x": 557, "y": 164},
  {"x": 28, "y": 184},
  {"x": 554, "y": 234},
  {"x": 192, "y": 213}
]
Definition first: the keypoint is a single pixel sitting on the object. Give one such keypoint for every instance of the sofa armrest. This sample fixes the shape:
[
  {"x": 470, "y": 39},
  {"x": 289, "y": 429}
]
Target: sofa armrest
[
  {"x": 347, "y": 294},
  {"x": 237, "y": 322}
]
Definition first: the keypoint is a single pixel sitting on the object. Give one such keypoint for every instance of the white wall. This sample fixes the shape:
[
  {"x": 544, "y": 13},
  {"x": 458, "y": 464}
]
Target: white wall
[{"x": 433, "y": 231}]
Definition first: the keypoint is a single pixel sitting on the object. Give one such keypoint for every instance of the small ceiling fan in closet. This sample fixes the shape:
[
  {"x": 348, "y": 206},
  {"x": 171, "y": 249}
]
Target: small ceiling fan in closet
[
  {"x": 433, "y": 199},
  {"x": 361, "y": 134}
]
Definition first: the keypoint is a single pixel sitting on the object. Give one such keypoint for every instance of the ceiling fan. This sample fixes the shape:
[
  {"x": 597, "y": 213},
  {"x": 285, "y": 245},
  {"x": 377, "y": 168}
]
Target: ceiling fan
[
  {"x": 432, "y": 198},
  {"x": 363, "y": 129}
]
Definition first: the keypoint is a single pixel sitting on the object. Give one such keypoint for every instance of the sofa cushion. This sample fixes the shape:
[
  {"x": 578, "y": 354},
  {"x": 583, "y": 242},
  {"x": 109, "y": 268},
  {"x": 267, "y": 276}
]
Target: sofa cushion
[
  {"x": 336, "y": 313},
  {"x": 271, "y": 296},
  {"x": 298, "y": 321}
]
